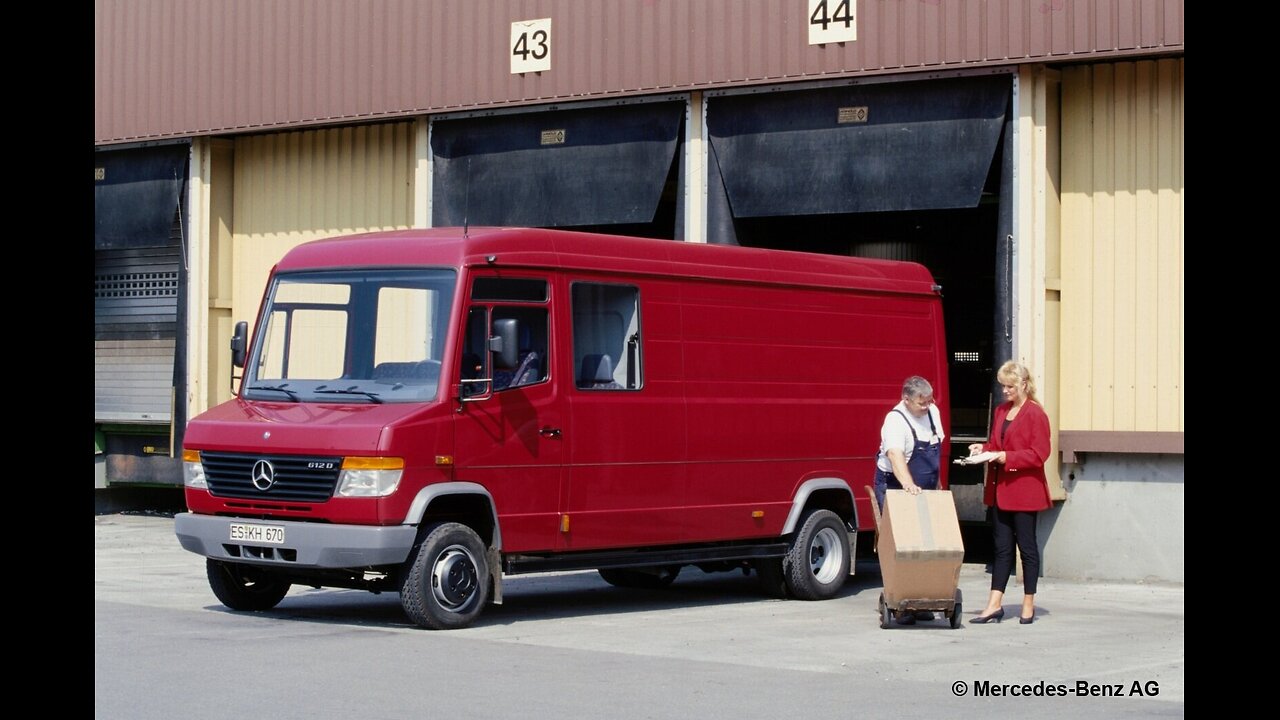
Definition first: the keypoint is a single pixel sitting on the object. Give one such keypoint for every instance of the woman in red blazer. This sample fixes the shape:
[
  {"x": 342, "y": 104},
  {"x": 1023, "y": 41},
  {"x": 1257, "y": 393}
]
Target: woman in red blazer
[{"x": 1016, "y": 487}]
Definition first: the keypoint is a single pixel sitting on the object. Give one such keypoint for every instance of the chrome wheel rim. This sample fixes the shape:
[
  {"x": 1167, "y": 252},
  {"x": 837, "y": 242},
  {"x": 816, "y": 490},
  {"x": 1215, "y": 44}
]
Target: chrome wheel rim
[{"x": 825, "y": 555}]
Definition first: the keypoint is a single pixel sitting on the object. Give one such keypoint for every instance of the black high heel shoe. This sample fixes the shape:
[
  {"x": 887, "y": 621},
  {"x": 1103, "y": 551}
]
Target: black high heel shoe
[
  {"x": 1026, "y": 620},
  {"x": 996, "y": 616}
]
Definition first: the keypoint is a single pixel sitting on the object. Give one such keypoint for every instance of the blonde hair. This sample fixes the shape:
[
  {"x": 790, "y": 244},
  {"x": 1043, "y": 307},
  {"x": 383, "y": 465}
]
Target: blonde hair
[{"x": 1015, "y": 372}]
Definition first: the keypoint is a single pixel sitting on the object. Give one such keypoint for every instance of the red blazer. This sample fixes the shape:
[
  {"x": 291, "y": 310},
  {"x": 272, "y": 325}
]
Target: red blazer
[{"x": 1020, "y": 483}]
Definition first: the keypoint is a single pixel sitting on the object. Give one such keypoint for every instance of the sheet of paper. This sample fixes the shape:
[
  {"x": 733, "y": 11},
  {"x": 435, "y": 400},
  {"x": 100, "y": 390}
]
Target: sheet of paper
[{"x": 978, "y": 459}]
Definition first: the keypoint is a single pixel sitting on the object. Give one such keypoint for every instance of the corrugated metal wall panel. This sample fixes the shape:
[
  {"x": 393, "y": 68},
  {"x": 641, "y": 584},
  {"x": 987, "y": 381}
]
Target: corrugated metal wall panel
[
  {"x": 1170, "y": 319},
  {"x": 299, "y": 186},
  {"x": 1122, "y": 247},
  {"x": 166, "y": 69}
]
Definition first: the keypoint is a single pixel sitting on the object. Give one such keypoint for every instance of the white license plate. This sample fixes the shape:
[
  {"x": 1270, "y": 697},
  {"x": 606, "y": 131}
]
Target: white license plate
[{"x": 269, "y": 534}]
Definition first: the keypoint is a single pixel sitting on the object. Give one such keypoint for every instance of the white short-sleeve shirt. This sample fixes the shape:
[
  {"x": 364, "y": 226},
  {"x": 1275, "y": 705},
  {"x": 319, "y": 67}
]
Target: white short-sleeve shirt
[{"x": 895, "y": 433}]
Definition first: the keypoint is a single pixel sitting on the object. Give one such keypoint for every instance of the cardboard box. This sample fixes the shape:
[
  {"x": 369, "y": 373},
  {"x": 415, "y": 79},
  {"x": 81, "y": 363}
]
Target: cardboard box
[{"x": 920, "y": 549}]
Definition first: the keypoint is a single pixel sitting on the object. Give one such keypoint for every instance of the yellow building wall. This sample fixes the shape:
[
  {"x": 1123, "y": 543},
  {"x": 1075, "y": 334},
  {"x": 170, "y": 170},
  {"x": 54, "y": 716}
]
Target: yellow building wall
[
  {"x": 294, "y": 187},
  {"x": 221, "y": 273},
  {"x": 1037, "y": 258},
  {"x": 1122, "y": 255}
]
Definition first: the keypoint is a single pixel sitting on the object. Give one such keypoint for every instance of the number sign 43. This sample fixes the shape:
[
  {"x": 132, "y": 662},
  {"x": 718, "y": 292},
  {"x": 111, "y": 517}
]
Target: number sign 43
[{"x": 531, "y": 46}]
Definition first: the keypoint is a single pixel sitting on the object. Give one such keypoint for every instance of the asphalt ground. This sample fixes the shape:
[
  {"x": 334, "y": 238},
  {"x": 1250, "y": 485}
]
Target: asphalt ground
[{"x": 1105, "y": 649}]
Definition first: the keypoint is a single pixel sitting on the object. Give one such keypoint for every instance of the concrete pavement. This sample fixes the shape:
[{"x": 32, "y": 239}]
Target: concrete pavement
[{"x": 1120, "y": 645}]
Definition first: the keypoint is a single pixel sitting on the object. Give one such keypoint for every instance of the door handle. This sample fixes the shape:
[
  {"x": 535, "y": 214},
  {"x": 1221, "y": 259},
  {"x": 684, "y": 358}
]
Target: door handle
[{"x": 549, "y": 432}]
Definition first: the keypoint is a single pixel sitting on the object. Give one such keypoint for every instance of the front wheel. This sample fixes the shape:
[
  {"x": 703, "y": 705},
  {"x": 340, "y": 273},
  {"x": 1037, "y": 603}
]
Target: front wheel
[
  {"x": 244, "y": 587},
  {"x": 817, "y": 563},
  {"x": 447, "y": 583}
]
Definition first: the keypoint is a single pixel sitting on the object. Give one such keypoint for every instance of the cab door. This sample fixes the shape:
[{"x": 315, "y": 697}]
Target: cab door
[{"x": 510, "y": 430}]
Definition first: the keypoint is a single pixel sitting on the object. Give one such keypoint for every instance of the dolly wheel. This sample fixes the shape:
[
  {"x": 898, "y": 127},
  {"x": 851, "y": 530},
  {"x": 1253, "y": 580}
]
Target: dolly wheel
[{"x": 955, "y": 611}]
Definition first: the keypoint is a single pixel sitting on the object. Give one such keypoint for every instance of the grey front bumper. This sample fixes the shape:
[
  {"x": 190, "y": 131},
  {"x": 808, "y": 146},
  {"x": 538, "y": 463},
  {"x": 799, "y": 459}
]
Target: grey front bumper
[{"x": 307, "y": 545}]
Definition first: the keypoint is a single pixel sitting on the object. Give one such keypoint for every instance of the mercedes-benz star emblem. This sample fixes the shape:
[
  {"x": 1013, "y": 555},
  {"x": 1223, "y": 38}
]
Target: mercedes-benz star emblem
[{"x": 264, "y": 475}]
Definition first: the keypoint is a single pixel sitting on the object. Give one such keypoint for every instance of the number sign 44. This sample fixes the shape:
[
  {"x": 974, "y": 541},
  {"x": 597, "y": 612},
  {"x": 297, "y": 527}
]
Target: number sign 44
[{"x": 832, "y": 21}]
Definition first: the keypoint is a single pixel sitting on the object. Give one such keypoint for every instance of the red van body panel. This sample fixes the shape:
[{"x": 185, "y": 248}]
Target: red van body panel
[{"x": 757, "y": 375}]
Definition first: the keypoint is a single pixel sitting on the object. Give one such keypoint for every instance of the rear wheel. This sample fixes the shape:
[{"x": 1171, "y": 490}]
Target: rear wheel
[
  {"x": 648, "y": 579},
  {"x": 817, "y": 563},
  {"x": 447, "y": 583},
  {"x": 244, "y": 587}
]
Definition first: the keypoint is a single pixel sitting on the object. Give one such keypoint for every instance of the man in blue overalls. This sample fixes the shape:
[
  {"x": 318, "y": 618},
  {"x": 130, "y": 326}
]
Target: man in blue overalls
[{"x": 910, "y": 450}]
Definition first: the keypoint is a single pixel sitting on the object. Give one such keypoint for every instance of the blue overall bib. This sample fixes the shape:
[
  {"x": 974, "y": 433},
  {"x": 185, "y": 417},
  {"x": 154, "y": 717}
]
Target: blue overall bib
[{"x": 923, "y": 465}]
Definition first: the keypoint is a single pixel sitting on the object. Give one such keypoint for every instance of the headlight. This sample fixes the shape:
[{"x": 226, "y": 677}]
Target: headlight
[
  {"x": 369, "y": 477},
  {"x": 193, "y": 470}
]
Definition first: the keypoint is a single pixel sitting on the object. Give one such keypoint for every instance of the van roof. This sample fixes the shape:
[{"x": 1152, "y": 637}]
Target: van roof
[{"x": 534, "y": 248}]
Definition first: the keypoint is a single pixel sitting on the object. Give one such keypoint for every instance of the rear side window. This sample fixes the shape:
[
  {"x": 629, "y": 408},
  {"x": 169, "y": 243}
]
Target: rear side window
[{"x": 606, "y": 337}]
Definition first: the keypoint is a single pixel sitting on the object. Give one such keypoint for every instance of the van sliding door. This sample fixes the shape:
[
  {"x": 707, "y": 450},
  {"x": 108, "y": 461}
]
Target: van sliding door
[{"x": 626, "y": 474}]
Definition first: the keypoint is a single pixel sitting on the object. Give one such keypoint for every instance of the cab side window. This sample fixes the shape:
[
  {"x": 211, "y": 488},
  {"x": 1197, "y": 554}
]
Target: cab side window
[
  {"x": 531, "y": 348},
  {"x": 606, "y": 336},
  {"x": 497, "y": 303}
]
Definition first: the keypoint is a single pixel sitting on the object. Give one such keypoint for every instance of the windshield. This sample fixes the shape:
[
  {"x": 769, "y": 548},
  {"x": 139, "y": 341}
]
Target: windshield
[{"x": 357, "y": 336}]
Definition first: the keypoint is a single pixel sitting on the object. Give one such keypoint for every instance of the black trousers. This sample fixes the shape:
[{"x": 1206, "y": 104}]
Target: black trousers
[{"x": 1010, "y": 527}]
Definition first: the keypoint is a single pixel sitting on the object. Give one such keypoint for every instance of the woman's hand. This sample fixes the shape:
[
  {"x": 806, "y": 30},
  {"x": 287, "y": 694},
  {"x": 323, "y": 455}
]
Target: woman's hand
[{"x": 975, "y": 448}]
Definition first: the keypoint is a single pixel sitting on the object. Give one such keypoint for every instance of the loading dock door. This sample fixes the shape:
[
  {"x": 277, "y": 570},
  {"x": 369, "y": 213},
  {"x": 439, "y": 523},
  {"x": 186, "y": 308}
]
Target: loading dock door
[
  {"x": 923, "y": 145},
  {"x": 561, "y": 168},
  {"x": 918, "y": 171},
  {"x": 137, "y": 282}
]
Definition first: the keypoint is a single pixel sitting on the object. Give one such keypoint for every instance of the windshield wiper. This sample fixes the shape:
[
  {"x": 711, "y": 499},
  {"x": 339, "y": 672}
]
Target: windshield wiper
[
  {"x": 278, "y": 388},
  {"x": 349, "y": 391}
]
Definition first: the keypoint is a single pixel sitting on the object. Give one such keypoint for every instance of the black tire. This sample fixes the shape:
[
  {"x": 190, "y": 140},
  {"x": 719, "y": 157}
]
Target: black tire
[
  {"x": 885, "y": 617},
  {"x": 773, "y": 578},
  {"x": 446, "y": 584},
  {"x": 817, "y": 563},
  {"x": 650, "y": 579},
  {"x": 244, "y": 587}
]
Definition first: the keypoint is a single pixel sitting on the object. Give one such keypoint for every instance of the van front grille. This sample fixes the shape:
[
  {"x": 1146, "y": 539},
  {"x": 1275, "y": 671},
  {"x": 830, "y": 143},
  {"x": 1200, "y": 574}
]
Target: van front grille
[{"x": 305, "y": 478}]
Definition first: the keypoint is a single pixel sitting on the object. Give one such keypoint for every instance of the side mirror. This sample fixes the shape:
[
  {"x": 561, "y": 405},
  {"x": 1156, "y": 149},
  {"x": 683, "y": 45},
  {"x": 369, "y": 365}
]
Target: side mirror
[
  {"x": 238, "y": 343},
  {"x": 502, "y": 343}
]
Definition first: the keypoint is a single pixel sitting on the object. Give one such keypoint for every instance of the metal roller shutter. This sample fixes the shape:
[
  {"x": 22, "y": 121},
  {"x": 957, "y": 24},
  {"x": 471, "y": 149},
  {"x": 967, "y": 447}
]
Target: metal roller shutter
[{"x": 135, "y": 329}]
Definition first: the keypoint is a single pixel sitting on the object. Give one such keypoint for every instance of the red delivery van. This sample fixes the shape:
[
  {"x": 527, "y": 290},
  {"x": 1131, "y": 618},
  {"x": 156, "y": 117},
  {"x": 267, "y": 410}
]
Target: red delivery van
[{"x": 427, "y": 411}]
